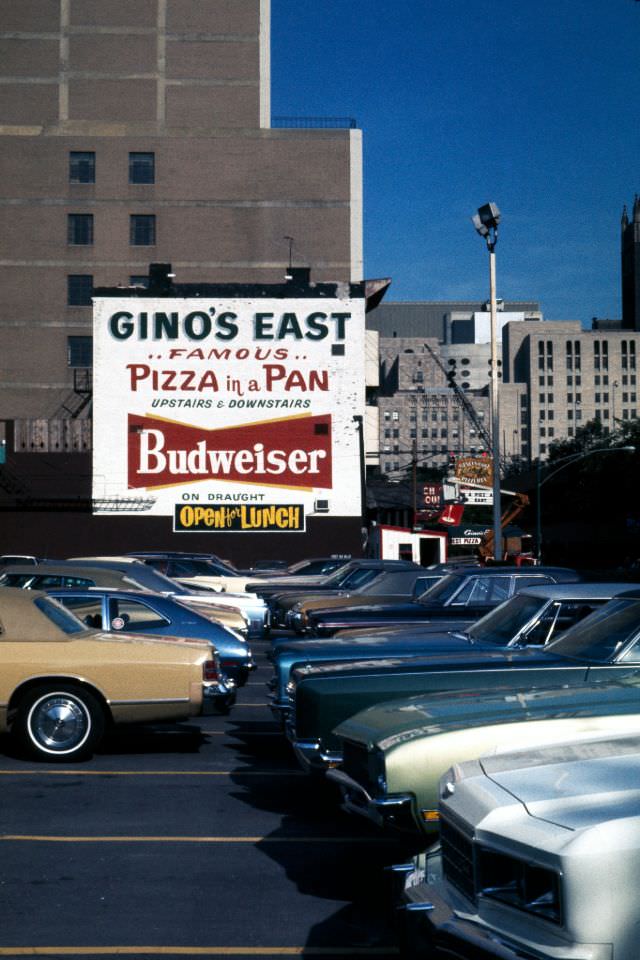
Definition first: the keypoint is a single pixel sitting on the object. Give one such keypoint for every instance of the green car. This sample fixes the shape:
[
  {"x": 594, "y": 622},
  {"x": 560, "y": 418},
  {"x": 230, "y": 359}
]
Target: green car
[
  {"x": 602, "y": 648},
  {"x": 395, "y": 753}
]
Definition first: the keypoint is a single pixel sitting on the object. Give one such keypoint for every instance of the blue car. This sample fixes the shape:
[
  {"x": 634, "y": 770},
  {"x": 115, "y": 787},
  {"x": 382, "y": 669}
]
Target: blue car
[
  {"x": 531, "y": 618},
  {"x": 138, "y": 612}
]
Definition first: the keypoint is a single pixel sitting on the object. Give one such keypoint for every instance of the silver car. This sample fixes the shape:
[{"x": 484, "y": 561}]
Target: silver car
[{"x": 540, "y": 858}]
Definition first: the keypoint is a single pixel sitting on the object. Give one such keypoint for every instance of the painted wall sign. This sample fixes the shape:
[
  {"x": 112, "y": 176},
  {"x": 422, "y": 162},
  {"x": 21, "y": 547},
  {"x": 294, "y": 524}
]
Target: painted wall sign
[
  {"x": 267, "y": 517},
  {"x": 228, "y": 402}
]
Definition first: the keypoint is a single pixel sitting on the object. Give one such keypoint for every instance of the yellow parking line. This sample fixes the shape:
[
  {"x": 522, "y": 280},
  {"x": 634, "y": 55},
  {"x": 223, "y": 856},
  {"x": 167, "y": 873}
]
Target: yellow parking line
[
  {"x": 201, "y": 951},
  {"x": 43, "y": 838}
]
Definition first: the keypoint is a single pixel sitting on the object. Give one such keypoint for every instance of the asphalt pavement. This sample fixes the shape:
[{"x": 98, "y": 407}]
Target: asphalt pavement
[{"x": 200, "y": 839}]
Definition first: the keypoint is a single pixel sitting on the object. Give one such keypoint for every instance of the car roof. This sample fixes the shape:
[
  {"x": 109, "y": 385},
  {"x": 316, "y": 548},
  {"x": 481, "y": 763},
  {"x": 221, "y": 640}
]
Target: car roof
[
  {"x": 68, "y": 566},
  {"x": 107, "y": 591},
  {"x": 20, "y": 618},
  {"x": 510, "y": 569}
]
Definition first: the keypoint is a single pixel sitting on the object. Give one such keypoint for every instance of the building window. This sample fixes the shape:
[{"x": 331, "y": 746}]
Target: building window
[
  {"x": 80, "y": 351},
  {"x": 142, "y": 231},
  {"x": 142, "y": 168},
  {"x": 79, "y": 289},
  {"x": 82, "y": 166},
  {"x": 80, "y": 229}
]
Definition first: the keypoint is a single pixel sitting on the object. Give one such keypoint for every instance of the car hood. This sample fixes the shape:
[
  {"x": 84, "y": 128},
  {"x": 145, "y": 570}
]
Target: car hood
[
  {"x": 395, "y": 722},
  {"x": 573, "y": 785},
  {"x": 363, "y": 647},
  {"x": 415, "y": 630},
  {"x": 441, "y": 660},
  {"x": 378, "y": 606}
]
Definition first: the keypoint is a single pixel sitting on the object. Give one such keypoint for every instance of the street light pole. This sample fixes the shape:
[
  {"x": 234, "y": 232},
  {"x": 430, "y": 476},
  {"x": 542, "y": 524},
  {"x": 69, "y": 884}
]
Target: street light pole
[
  {"x": 566, "y": 462},
  {"x": 486, "y": 222}
]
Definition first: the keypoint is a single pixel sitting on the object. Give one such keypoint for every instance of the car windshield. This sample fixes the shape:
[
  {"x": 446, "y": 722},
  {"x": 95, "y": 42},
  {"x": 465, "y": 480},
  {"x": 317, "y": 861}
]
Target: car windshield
[
  {"x": 337, "y": 576},
  {"x": 146, "y": 578},
  {"x": 602, "y": 634},
  {"x": 443, "y": 590},
  {"x": 502, "y": 624},
  {"x": 59, "y": 615}
]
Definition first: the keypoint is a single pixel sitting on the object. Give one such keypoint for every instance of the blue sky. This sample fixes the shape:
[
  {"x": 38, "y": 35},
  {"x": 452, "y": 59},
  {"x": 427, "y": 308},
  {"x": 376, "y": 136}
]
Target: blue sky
[{"x": 530, "y": 105}]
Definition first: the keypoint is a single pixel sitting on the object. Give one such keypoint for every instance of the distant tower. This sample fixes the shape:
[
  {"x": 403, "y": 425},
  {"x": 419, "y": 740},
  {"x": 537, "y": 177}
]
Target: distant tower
[{"x": 630, "y": 254}]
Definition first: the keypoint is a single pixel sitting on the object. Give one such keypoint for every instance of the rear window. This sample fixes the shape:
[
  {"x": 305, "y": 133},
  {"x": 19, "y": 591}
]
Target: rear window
[
  {"x": 62, "y": 618},
  {"x": 46, "y": 581}
]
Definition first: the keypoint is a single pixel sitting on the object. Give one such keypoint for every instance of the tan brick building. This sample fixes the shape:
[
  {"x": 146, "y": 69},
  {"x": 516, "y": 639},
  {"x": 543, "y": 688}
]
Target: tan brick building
[
  {"x": 138, "y": 132},
  {"x": 135, "y": 132}
]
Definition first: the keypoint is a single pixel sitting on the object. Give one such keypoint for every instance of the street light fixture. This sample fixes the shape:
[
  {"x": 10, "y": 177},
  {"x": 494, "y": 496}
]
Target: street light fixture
[
  {"x": 486, "y": 222},
  {"x": 565, "y": 462}
]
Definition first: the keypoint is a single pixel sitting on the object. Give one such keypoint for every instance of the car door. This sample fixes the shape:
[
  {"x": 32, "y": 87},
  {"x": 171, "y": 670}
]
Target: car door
[
  {"x": 556, "y": 617},
  {"x": 136, "y": 616},
  {"x": 480, "y": 594}
]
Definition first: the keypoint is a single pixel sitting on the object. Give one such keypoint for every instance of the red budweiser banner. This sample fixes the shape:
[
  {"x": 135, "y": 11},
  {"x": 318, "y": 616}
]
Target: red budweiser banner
[{"x": 281, "y": 453}]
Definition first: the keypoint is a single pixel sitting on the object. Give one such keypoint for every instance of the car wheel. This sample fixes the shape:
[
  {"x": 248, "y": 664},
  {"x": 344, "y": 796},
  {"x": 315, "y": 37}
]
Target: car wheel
[{"x": 59, "y": 723}]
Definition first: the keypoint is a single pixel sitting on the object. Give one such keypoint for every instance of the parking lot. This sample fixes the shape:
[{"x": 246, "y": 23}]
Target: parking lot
[{"x": 199, "y": 839}]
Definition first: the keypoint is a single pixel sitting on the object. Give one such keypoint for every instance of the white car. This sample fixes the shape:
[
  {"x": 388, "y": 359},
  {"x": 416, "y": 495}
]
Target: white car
[{"x": 540, "y": 858}]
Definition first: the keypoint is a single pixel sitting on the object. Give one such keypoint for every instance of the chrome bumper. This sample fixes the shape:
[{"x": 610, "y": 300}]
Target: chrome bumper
[
  {"x": 312, "y": 758},
  {"x": 394, "y": 810},
  {"x": 430, "y": 923},
  {"x": 218, "y": 696},
  {"x": 280, "y": 709}
]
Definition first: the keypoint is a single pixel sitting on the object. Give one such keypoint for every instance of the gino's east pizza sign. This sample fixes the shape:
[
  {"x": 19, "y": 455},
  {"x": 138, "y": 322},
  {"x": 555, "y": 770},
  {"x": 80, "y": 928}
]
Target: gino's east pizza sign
[{"x": 227, "y": 404}]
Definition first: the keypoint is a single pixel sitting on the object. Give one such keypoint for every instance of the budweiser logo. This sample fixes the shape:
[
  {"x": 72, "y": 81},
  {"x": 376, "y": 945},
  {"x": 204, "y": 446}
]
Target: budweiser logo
[{"x": 284, "y": 453}]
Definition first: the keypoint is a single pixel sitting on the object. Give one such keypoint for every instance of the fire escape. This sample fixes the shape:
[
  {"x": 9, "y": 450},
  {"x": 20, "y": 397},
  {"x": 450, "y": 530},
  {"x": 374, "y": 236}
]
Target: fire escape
[{"x": 79, "y": 398}]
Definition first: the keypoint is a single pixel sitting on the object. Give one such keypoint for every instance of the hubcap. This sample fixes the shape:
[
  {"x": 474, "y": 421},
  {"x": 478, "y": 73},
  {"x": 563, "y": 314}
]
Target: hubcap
[{"x": 58, "y": 723}]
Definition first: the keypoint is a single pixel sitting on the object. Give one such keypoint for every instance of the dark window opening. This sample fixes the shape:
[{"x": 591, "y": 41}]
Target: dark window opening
[{"x": 82, "y": 167}]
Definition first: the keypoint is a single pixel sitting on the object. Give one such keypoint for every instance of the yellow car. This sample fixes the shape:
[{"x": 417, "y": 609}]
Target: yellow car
[{"x": 62, "y": 685}]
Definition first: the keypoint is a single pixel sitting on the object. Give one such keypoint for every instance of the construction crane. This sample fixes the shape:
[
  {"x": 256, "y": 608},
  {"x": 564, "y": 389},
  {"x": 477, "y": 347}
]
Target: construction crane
[
  {"x": 462, "y": 398},
  {"x": 515, "y": 508}
]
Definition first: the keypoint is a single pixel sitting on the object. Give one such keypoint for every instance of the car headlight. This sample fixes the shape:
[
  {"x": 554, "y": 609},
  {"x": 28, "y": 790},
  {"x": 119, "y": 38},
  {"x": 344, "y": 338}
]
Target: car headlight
[{"x": 519, "y": 884}]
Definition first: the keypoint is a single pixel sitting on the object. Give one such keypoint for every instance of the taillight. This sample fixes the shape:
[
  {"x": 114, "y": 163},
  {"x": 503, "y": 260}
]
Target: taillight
[{"x": 210, "y": 670}]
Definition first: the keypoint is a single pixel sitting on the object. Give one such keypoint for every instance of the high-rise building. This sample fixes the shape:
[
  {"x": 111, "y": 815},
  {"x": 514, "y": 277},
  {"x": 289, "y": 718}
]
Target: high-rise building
[
  {"x": 630, "y": 261},
  {"x": 139, "y": 132}
]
